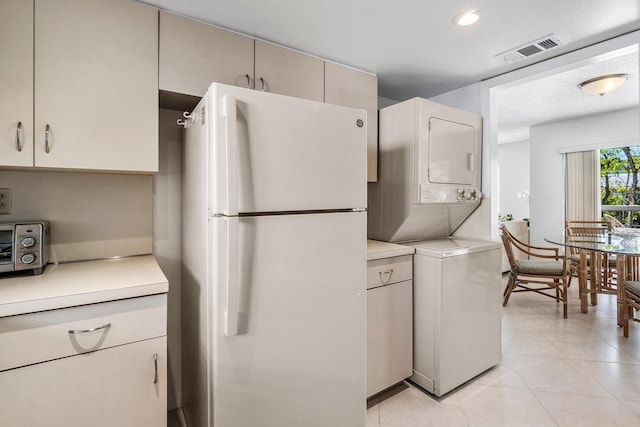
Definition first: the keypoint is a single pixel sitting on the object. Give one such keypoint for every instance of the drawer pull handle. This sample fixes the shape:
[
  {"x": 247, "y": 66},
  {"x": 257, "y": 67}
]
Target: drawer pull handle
[
  {"x": 84, "y": 331},
  {"x": 46, "y": 138},
  {"x": 155, "y": 364},
  {"x": 19, "y": 137},
  {"x": 390, "y": 272}
]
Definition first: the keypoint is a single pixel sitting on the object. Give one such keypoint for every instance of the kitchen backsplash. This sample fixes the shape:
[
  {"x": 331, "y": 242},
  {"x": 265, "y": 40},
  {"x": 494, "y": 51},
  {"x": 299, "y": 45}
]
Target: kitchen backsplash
[{"x": 92, "y": 215}]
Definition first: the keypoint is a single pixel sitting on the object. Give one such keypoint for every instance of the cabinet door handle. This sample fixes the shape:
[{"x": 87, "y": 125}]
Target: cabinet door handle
[
  {"x": 248, "y": 81},
  {"x": 389, "y": 272},
  {"x": 46, "y": 138},
  {"x": 155, "y": 365},
  {"x": 262, "y": 84},
  {"x": 84, "y": 331},
  {"x": 19, "y": 137}
]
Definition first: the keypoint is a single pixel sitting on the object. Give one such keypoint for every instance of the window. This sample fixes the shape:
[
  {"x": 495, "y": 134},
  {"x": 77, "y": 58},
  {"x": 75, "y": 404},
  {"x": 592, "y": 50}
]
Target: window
[{"x": 619, "y": 186}]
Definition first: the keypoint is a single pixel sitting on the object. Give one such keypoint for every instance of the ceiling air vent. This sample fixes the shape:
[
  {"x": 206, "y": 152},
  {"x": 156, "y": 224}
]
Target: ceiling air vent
[{"x": 528, "y": 49}]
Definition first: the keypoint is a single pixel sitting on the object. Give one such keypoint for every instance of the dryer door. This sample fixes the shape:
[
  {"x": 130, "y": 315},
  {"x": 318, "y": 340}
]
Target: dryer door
[{"x": 452, "y": 152}]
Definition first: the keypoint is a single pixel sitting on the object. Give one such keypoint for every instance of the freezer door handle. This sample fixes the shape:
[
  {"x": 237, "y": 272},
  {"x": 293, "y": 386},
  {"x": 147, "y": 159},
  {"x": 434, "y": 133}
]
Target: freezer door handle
[
  {"x": 231, "y": 146},
  {"x": 233, "y": 286}
]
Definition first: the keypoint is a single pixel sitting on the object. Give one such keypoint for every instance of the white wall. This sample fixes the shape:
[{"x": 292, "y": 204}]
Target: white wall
[
  {"x": 547, "y": 170},
  {"x": 167, "y": 242},
  {"x": 92, "y": 215},
  {"x": 466, "y": 98},
  {"x": 514, "y": 160},
  {"x": 385, "y": 102}
]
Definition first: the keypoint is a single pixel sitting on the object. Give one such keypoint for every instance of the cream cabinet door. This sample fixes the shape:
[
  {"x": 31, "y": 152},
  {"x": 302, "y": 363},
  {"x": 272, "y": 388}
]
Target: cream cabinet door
[
  {"x": 353, "y": 88},
  {"x": 194, "y": 54},
  {"x": 16, "y": 83},
  {"x": 96, "y": 85},
  {"x": 122, "y": 386},
  {"x": 287, "y": 72},
  {"x": 389, "y": 335}
]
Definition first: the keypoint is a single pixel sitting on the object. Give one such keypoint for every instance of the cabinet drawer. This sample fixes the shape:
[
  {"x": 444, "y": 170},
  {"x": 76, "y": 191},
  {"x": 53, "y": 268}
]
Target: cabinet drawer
[
  {"x": 385, "y": 271},
  {"x": 38, "y": 337}
]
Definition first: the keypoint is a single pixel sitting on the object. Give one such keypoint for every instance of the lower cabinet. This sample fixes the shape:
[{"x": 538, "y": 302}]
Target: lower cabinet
[
  {"x": 98, "y": 365},
  {"x": 389, "y": 326},
  {"x": 120, "y": 386}
]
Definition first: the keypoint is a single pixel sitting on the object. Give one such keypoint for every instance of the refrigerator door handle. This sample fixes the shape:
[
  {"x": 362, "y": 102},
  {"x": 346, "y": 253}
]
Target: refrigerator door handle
[
  {"x": 233, "y": 286},
  {"x": 231, "y": 146}
]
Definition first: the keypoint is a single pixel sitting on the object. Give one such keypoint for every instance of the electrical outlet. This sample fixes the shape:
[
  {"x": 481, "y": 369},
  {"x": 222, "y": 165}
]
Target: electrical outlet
[{"x": 5, "y": 200}]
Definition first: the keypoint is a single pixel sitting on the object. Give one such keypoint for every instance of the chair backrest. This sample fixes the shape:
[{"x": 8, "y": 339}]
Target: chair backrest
[
  {"x": 613, "y": 222},
  {"x": 586, "y": 230},
  {"x": 508, "y": 246}
]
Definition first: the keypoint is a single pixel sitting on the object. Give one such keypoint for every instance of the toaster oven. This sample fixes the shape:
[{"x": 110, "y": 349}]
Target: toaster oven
[{"x": 24, "y": 246}]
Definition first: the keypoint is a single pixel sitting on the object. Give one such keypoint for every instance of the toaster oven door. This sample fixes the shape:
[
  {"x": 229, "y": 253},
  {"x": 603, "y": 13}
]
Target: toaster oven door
[{"x": 6, "y": 247}]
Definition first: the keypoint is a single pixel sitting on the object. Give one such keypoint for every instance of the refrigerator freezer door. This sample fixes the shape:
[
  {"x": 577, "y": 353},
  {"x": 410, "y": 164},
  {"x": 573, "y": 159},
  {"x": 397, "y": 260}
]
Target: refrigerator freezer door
[
  {"x": 299, "y": 354},
  {"x": 274, "y": 153}
]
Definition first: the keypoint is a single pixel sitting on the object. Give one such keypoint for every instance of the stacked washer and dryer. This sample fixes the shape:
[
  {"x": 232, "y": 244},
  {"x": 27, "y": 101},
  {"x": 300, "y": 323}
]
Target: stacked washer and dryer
[{"x": 428, "y": 185}]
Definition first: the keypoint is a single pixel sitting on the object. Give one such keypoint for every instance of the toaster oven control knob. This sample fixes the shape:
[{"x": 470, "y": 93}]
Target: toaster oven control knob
[
  {"x": 28, "y": 242},
  {"x": 28, "y": 258}
]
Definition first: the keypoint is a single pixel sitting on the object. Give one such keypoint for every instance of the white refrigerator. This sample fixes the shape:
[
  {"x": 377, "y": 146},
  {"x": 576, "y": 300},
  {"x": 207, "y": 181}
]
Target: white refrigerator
[{"x": 274, "y": 262}]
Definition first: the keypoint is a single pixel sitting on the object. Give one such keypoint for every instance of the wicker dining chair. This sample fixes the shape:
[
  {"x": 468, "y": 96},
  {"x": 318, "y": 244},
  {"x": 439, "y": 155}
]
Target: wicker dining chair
[
  {"x": 606, "y": 276},
  {"x": 545, "y": 271},
  {"x": 630, "y": 303},
  {"x": 613, "y": 222},
  {"x": 590, "y": 230}
]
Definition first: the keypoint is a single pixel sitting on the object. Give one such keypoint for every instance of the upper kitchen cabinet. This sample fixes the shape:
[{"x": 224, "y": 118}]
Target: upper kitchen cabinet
[
  {"x": 96, "y": 85},
  {"x": 16, "y": 82},
  {"x": 287, "y": 72},
  {"x": 193, "y": 55},
  {"x": 352, "y": 88}
]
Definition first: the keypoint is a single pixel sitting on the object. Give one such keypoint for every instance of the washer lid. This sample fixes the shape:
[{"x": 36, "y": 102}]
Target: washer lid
[{"x": 448, "y": 247}]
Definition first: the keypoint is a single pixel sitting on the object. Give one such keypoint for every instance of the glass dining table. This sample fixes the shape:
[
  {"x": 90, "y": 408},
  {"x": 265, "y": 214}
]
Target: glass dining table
[{"x": 595, "y": 251}]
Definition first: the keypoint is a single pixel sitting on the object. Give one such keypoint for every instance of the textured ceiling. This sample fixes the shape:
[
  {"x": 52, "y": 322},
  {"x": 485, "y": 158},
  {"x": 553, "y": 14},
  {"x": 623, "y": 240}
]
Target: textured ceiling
[
  {"x": 558, "y": 98},
  {"x": 413, "y": 45}
]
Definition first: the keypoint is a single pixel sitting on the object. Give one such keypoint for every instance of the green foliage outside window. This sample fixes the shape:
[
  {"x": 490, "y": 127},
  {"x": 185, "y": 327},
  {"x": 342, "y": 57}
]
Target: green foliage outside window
[{"x": 619, "y": 169}]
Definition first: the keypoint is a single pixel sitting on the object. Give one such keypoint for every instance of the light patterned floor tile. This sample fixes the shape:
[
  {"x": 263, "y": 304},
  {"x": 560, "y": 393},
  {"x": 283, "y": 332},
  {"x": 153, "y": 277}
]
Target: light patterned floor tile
[
  {"x": 498, "y": 406},
  {"x": 571, "y": 410},
  {"x": 561, "y": 376},
  {"x": 633, "y": 405},
  {"x": 590, "y": 347},
  {"x": 622, "y": 381},
  {"x": 629, "y": 346},
  {"x": 530, "y": 343},
  {"x": 413, "y": 408},
  {"x": 504, "y": 374}
]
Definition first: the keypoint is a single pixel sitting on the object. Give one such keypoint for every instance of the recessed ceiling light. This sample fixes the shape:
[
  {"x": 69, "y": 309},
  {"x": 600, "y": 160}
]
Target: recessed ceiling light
[
  {"x": 604, "y": 84},
  {"x": 467, "y": 18}
]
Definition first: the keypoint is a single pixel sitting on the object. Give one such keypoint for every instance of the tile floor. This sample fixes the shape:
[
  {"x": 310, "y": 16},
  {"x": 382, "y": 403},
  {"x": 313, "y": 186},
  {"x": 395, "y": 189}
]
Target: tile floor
[{"x": 573, "y": 372}]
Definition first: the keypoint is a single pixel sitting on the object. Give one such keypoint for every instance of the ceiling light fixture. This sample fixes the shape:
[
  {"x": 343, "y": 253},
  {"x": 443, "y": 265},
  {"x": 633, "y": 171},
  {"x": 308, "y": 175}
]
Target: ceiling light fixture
[
  {"x": 467, "y": 18},
  {"x": 604, "y": 84}
]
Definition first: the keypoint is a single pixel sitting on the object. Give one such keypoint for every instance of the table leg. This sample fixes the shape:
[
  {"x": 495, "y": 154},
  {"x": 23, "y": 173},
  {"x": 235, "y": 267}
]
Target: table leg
[
  {"x": 621, "y": 266},
  {"x": 595, "y": 268},
  {"x": 582, "y": 281}
]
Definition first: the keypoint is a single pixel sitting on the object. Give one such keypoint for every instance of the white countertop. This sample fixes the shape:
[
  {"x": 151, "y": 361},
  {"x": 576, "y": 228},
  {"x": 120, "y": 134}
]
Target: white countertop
[
  {"x": 79, "y": 283},
  {"x": 380, "y": 250}
]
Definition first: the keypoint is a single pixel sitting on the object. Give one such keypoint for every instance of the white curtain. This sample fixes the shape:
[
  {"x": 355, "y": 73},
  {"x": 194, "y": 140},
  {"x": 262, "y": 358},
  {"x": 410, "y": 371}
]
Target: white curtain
[{"x": 582, "y": 190}]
